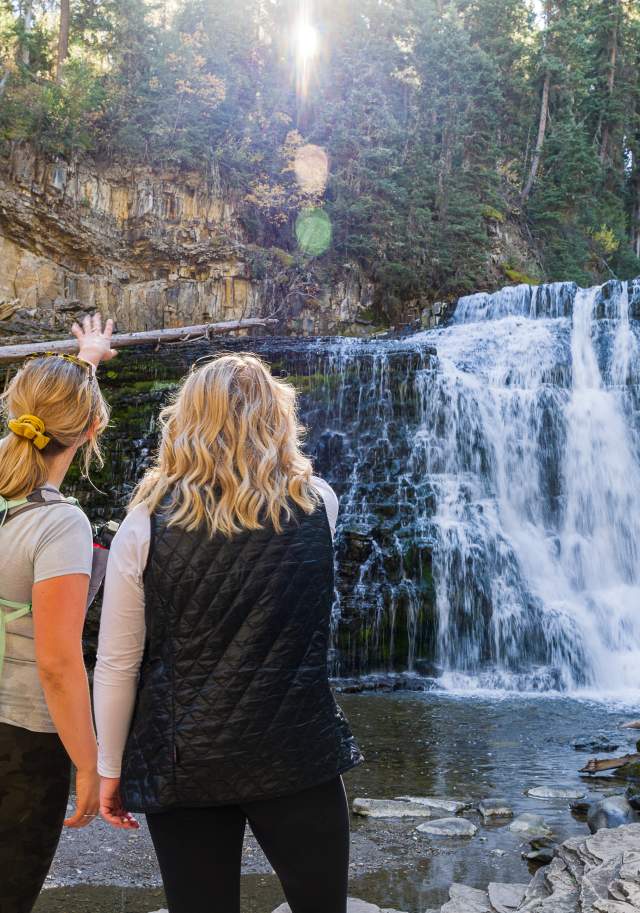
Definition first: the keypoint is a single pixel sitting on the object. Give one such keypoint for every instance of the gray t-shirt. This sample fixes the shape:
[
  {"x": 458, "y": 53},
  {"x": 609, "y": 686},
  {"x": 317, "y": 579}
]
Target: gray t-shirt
[{"x": 40, "y": 544}]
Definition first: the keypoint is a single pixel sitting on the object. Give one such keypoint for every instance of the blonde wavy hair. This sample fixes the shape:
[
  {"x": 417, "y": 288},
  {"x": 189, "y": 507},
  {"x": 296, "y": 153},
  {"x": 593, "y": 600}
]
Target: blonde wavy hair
[
  {"x": 67, "y": 399},
  {"x": 230, "y": 453}
]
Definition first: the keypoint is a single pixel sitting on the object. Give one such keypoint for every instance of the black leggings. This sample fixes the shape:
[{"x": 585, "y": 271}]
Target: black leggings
[
  {"x": 34, "y": 788},
  {"x": 305, "y": 837}
]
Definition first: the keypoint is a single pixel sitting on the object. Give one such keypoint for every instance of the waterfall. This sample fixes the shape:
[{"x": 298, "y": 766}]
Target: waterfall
[
  {"x": 530, "y": 434},
  {"x": 489, "y": 481}
]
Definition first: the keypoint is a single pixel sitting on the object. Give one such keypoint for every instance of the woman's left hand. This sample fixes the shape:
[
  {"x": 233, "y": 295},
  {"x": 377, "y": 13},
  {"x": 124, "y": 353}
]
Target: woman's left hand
[
  {"x": 111, "y": 805},
  {"x": 94, "y": 343}
]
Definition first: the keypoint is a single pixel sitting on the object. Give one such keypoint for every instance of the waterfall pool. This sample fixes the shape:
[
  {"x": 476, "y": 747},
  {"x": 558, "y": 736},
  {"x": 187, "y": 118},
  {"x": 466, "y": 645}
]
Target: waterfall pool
[{"x": 433, "y": 744}]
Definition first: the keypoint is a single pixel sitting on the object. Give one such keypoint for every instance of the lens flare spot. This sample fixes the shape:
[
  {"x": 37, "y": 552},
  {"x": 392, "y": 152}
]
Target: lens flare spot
[
  {"x": 313, "y": 232},
  {"x": 311, "y": 166}
]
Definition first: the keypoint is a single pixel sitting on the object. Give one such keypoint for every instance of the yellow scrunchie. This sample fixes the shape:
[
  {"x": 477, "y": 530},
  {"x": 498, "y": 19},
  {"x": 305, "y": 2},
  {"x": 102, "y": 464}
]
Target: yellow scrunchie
[{"x": 32, "y": 428}]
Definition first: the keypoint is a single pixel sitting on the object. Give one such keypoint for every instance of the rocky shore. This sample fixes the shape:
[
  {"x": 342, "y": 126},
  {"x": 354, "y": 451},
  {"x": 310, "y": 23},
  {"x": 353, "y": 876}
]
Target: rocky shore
[{"x": 596, "y": 874}]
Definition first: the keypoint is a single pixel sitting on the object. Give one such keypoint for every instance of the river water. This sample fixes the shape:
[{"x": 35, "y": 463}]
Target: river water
[{"x": 441, "y": 744}]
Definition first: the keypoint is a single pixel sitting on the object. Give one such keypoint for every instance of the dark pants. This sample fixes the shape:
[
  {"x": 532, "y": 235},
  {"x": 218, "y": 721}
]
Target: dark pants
[
  {"x": 34, "y": 788},
  {"x": 304, "y": 836}
]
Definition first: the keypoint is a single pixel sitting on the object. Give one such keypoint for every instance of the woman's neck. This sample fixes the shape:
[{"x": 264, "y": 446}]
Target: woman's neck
[{"x": 58, "y": 466}]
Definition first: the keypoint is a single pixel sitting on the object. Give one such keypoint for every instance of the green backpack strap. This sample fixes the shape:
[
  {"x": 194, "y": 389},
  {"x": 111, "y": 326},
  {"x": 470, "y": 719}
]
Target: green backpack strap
[
  {"x": 20, "y": 609},
  {"x": 7, "y": 505}
]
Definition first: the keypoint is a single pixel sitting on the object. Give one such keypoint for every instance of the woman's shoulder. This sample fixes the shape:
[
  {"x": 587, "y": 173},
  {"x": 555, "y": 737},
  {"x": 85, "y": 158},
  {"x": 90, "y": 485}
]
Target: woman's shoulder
[
  {"x": 330, "y": 499},
  {"x": 130, "y": 545},
  {"x": 136, "y": 525}
]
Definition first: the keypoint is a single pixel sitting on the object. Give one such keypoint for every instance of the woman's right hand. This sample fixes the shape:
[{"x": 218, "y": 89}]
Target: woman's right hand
[
  {"x": 87, "y": 798},
  {"x": 111, "y": 805},
  {"x": 94, "y": 343}
]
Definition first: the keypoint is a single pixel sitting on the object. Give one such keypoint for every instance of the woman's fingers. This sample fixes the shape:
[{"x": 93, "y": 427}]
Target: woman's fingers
[
  {"x": 82, "y": 816},
  {"x": 117, "y": 817}
]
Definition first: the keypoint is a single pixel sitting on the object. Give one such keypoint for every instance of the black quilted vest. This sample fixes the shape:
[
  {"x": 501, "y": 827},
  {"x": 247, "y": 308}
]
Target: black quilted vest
[{"x": 233, "y": 701}]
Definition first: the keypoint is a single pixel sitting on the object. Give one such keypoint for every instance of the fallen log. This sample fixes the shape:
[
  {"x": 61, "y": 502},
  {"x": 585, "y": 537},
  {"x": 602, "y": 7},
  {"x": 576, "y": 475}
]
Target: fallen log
[
  {"x": 145, "y": 337},
  {"x": 596, "y": 764},
  {"x": 632, "y": 724}
]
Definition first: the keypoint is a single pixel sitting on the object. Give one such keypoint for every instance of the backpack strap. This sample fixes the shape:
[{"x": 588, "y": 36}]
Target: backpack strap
[
  {"x": 20, "y": 609},
  {"x": 19, "y": 506}
]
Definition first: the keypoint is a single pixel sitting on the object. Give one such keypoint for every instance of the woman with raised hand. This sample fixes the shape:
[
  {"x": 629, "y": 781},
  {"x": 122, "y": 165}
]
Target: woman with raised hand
[
  {"x": 54, "y": 408},
  {"x": 212, "y": 698}
]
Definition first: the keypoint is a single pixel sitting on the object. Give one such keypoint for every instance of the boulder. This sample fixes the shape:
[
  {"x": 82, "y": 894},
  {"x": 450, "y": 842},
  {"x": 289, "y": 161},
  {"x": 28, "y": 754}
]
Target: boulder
[
  {"x": 505, "y": 898},
  {"x": 448, "y": 827},
  {"x": 449, "y": 806},
  {"x": 466, "y": 900},
  {"x": 555, "y": 792},
  {"x": 495, "y": 808},
  {"x": 391, "y": 808},
  {"x": 530, "y": 825},
  {"x": 611, "y": 812}
]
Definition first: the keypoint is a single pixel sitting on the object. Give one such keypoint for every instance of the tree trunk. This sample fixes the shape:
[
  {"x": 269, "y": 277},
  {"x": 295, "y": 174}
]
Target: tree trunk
[
  {"x": 27, "y": 25},
  {"x": 63, "y": 38},
  {"x": 13, "y": 353},
  {"x": 542, "y": 129},
  {"x": 604, "y": 125}
]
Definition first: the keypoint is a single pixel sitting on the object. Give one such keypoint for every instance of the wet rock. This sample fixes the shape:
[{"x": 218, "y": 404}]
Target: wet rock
[
  {"x": 633, "y": 796},
  {"x": 353, "y": 906},
  {"x": 629, "y": 771},
  {"x": 387, "y": 683},
  {"x": 530, "y": 825},
  {"x": 505, "y": 898},
  {"x": 539, "y": 857},
  {"x": 555, "y": 792},
  {"x": 611, "y": 812},
  {"x": 580, "y": 808},
  {"x": 391, "y": 808},
  {"x": 466, "y": 900},
  {"x": 596, "y": 743},
  {"x": 451, "y": 806},
  {"x": 448, "y": 827},
  {"x": 495, "y": 808},
  {"x": 542, "y": 843}
]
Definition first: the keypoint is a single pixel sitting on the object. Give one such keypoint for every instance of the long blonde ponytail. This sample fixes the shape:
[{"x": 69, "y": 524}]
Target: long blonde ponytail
[{"x": 67, "y": 400}]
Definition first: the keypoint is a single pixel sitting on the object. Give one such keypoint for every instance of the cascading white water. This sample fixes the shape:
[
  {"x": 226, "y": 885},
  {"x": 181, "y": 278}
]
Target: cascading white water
[{"x": 529, "y": 434}]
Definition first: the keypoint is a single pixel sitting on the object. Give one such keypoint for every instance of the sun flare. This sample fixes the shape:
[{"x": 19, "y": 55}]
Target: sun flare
[{"x": 306, "y": 40}]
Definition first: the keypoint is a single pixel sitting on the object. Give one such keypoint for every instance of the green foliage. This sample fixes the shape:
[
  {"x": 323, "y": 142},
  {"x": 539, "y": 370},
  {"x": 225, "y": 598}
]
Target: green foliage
[{"x": 427, "y": 111}]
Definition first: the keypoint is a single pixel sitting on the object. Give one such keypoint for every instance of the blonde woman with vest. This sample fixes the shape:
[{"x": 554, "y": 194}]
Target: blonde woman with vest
[
  {"x": 211, "y": 690},
  {"x": 54, "y": 408}
]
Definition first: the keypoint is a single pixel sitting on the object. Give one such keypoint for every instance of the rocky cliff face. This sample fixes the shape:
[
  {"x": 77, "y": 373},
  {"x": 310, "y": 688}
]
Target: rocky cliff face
[{"x": 152, "y": 249}]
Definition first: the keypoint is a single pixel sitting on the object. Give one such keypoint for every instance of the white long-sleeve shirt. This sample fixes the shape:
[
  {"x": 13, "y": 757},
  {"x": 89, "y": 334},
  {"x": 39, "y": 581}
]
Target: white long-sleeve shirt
[{"x": 122, "y": 631}]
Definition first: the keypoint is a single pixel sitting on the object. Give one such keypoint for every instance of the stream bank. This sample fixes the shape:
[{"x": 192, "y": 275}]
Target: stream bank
[{"x": 433, "y": 744}]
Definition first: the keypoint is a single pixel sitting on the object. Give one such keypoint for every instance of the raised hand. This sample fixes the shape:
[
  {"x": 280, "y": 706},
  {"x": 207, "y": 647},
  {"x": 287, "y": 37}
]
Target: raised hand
[{"x": 94, "y": 343}]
